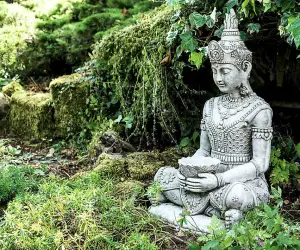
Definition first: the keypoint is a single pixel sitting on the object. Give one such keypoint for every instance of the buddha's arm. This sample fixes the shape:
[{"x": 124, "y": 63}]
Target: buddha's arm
[
  {"x": 261, "y": 145},
  {"x": 205, "y": 147}
]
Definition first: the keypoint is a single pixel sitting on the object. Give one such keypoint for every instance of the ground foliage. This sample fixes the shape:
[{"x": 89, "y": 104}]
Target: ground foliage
[
  {"x": 51, "y": 38},
  {"x": 262, "y": 228}
]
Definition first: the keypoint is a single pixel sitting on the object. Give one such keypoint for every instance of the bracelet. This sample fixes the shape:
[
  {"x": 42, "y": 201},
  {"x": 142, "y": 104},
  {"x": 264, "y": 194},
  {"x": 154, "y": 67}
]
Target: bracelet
[{"x": 220, "y": 180}]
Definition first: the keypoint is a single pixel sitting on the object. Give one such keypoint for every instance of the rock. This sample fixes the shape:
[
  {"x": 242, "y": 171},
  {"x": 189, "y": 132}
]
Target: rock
[
  {"x": 12, "y": 88},
  {"x": 31, "y": 115},
  {"x": 4, "y": 105},
  {"x": 140, "y": 166},
  {"x": 69, "y": 95}
]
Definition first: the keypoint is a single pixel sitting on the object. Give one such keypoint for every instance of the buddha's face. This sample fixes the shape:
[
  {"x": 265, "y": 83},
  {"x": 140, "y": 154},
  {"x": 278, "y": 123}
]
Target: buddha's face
[{"x": 227, "y": 77}]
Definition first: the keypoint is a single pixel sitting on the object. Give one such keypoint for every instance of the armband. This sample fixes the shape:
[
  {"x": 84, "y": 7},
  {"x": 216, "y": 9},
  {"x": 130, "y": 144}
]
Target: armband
[
  {"x": 202, "y": 125},
  {"x": 262, "y": 133}
]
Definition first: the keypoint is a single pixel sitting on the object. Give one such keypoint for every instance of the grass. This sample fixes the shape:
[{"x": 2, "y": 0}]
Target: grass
[{"x": 86, "y": 212}]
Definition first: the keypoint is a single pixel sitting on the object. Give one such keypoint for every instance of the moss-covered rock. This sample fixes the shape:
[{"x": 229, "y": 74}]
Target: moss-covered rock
[
  {"x": 127, "y": 189},
  {"x": 112, "y": 167},
  {"x": 69, "y": 95},
  {"x": 31, "y": 115},
  {"x": 140, "y": 166},
  {"x": 12, "y": 88},
  {"x": 144, "y": 165}
]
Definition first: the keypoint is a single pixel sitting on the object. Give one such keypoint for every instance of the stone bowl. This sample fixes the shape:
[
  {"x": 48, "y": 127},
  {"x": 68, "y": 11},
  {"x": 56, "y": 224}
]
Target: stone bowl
[{"x": 192, "y": 166}]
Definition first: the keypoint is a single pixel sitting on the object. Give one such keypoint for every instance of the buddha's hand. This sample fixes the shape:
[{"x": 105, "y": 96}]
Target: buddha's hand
[{"x": 205, "y": 182}]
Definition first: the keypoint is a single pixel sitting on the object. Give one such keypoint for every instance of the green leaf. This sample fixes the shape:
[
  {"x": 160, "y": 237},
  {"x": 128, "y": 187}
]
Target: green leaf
[
  {"x": 285, "y": 4},
  {"x": 254, "y": 27},
  {"x": 243, "y": 35},
  {"x": 195, "y": 136},
  {"x": 219, "y": 31},
  {"x": 297, "y": 148},
  {"x": 197, "y": 20},
  {"x": 245, "y": 4},
  {"x": 210, "y": 22},
  {"x": 196, "y": 59},
  {"x": 194, "y": 246},
  {"x": 185, "y": 142},
  {"x": 230, "y": 4},
  {"x": 188, "y": 43},
  {"x": 214, "y": 245},
  {"x": 294, "y": 28}
]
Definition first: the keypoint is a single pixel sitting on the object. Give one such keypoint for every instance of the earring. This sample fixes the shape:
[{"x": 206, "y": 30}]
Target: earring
[{"x": 243, "y": 90}]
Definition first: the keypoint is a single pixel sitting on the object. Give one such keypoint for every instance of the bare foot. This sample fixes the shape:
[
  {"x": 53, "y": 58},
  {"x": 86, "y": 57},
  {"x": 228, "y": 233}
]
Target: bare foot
[{"x": 232, "y": 216}]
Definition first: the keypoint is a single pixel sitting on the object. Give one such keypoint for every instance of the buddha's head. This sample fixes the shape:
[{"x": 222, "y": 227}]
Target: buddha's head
[{"x": 230, "y": 59}]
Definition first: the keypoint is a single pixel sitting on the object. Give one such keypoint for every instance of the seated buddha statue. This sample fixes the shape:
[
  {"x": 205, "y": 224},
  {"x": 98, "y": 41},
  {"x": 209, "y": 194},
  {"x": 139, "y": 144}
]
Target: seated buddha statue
[{"x": 236, "y": 130}]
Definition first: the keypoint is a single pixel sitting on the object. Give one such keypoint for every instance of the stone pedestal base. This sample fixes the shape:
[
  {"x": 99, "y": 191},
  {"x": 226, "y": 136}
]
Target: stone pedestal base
[{"x": 170, "y": 213}]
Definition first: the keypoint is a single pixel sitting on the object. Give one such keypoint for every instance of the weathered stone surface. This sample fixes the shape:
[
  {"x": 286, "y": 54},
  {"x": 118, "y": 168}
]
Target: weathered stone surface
[
  {"x": 12, "y": 88},
  {"x": 170, "y": 213},
  {"x": 31, "y": 115},
  {"x": 69, "y": 95}
]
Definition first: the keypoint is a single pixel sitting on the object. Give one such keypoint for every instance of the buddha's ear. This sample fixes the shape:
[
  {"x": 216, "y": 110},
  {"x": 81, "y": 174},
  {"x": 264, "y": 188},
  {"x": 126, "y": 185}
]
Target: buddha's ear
[{"x": 247, "y": 67}]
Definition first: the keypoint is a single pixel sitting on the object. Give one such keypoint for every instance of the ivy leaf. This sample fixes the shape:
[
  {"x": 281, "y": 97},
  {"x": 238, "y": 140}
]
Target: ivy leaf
[
  {"x": 294, "y": 28},
  {"x": 197, "y": 20},
  {"x": 230, "y": 4},
  {"x": 188, "y": 43},
  {"x": 267, "y": 4},
  {"x": 219, "y": 31},
  {"x": 195, "y": 136},
  {"x": 254, "y": 27},
  {"x": 285, "y": 4},
  {"x": 179, "y": 51},
  {"x": 196, "y": 59},
  {"x": 210, "y": 22},
  {"x": 171, "y": 36},
  {"x": 194, "y": 246},
  {"x": 184, "y": 142},
  {"x": 243, "y": 35}
]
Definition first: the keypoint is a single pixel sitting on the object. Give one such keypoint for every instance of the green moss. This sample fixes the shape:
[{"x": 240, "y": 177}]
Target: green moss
[
  {"x": 31, "y": 115},
  {"x": 128, "y": 189},
  {"x": 140, "y": 165},
  {"x": 11, "y": 88},
  {"x": 69, "y": 94},
  {"x": 111, "y": 167},
  {"x": 144, "y": 165}
]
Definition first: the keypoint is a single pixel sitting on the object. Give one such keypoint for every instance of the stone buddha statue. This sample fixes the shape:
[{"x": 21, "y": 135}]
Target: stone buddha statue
[{"x": 236, "y": 131}]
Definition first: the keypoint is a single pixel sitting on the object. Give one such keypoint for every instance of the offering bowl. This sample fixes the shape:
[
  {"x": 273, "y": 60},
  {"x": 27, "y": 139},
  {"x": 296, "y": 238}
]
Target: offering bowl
[{"x": 192, "y": 166}]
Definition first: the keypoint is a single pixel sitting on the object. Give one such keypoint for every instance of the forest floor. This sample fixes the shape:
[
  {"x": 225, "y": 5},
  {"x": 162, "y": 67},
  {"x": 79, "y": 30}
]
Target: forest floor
[
  {"x": 50, "y": 158},
  {"x": 63, "y": 161}
]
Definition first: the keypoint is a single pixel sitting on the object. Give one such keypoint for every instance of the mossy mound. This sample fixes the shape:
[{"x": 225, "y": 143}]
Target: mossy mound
[
  {"x": 31, "y": 115},
  {"x": 129, "y": 189},
  {"x": 140, "y": 166},
  {"x": 12, "y": 88},
  {"x": 69, "y": 95}
]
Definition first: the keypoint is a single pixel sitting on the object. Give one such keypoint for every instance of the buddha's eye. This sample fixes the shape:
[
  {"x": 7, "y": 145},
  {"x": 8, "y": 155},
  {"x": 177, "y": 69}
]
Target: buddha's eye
[
  {"x": 214, "y": 71},
  {"x": 226, "y": 70}
]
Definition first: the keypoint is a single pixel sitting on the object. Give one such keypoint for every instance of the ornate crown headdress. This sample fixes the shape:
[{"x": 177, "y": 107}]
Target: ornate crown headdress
[{"x": 230, "y": 49}]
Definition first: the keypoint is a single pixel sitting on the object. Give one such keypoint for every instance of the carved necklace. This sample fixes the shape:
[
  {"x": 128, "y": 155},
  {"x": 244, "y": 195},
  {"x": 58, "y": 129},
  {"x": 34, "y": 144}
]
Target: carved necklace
[{"x": 229, "y": 106}]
